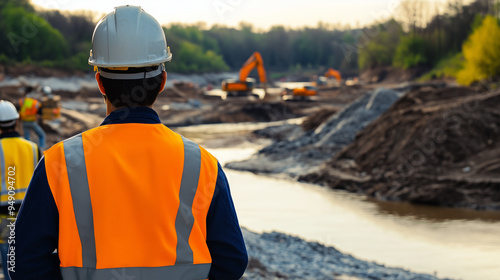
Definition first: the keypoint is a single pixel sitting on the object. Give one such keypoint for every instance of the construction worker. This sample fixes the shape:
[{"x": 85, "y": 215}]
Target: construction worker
[
  {"x": 129, "y": 199},
  {"x": 30, "y": 109},
  {"x": 47, "y": 91},
  {"x": 18, "y": 158}
]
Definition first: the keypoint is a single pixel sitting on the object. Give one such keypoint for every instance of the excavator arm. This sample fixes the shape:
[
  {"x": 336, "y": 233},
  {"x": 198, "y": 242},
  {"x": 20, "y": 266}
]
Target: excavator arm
[
  {"x": 333, "y": 73},
  {"x": 255, "y": 61},
  {"x": 245, "y": 84}
]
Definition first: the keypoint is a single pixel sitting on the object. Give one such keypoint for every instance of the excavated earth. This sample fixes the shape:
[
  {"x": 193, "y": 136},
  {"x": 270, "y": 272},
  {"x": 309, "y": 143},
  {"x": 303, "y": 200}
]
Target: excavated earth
[
  {"x": 302, "y": 149},
  {"x": 272, "y": 255},
  {"x": 436, "y": 147}
]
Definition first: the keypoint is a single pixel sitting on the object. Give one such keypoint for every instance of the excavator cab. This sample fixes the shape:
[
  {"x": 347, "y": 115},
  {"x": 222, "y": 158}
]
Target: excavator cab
[
  {"x": 305, "y": 91},
  {"x": 245, "y": 85},
  {"x": 237, "y": 88}
]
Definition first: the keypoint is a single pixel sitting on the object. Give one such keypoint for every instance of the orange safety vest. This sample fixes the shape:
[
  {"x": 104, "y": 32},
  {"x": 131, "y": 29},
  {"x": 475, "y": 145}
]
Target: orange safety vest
[
  {"x": 29, "y": 108},
  {"x": 18, "y": 158},
  {"x": 132, "y": 201}
]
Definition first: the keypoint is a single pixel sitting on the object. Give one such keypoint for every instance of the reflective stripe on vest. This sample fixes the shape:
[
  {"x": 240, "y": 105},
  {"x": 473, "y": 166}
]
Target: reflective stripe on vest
[
  {"x": 185, "y": 266},
  {"x": 193, "y": 271},
  {"x": 18, "y": 159},
  {"x": 79, "y": 187}
]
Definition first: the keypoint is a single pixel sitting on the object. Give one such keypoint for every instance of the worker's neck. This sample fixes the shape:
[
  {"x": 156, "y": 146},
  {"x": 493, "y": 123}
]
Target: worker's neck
[
  {"x": 7, "y": 131},
  {"x": 110, "y": 108}
]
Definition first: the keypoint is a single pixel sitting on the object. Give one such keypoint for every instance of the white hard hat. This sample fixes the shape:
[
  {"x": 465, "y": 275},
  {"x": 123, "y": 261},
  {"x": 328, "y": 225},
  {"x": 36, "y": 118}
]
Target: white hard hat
[
  {"x": 128, "y": 37},
  {"x": 47, "y": 90},
  {"x": 8, "y": 114}
]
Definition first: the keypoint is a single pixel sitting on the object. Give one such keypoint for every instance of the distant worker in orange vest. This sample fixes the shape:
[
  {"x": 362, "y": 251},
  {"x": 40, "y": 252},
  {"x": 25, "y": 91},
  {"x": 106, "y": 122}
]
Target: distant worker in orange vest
[
  {"x": 30, "y": 109},
  {"x": 130, "y": 199},
  {"x": 18, "y": 158}
]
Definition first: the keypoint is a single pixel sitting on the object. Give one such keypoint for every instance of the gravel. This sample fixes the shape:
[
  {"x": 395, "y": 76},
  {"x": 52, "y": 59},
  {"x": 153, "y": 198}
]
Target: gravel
[
  {"x": 279, "y": 256},
  {"x": 301, "y": 153}
]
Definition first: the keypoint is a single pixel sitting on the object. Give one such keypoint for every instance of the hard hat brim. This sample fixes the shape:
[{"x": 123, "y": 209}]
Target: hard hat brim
[{"x": 167, "y": 58}]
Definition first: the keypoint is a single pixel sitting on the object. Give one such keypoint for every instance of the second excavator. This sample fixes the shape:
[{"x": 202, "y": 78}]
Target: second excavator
[{"x": 245, "y": 85}]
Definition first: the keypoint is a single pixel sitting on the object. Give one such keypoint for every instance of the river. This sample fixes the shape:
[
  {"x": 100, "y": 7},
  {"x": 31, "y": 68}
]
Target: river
[{"x": 455, "y": 243}]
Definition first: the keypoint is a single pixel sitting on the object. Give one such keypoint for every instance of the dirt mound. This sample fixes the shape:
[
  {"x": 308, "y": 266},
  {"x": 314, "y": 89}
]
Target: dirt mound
[
  {"x": 315, "y": 120},
  {"x": 234, "y": 111},
  {"x": 438, "y": 147},
  {"x": 301, "y": 153}
]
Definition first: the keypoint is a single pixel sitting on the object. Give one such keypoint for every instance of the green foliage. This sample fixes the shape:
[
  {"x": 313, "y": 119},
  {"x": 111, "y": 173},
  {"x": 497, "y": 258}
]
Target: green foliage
[
  {"x": 80, "y": 61},
  {"x": 191, "y": 58},
  {"x": 62, "y": 39},
  {"x": 482, "y": 53},
  {"x": 478, "y": 21},
  {"x": 25, "y": 4},
  {"x": 178, "y": 33},
  {"x": 237, "y": 45},
  {"x": 446, "y": 68},
  {"x": 379, "y": 51},
  {"x": 193, "y": 51},
  {"x": 76, "y": 28},
  {"x": 411, "y": 52},
  {"x": 26, "y": 35},
  {"x": 3, "y": 59}
]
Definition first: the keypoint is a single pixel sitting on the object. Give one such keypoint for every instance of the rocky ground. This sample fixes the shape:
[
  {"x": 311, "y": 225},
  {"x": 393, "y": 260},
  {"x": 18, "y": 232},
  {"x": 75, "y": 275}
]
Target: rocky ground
[
  {"x": 301, "y": 149},
  {"x": 182, "y": 104},
  {"x": 278, "y": 256},
  {"x": 432, "y": 147},
  {"x": 334, "y": 120},
  {"x": 429, "y": 145},
  {"x": 275, "y": 255},
  {"x": 304, "y": 148}
]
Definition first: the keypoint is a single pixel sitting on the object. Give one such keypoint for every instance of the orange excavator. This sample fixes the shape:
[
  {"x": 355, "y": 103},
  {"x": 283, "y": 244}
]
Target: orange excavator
[
  {"x": 245, "y": 85},
  {"x": 306, "y": 92},
  {"x": 333, "y": 73},
  {"x": 323, "y": 80}
]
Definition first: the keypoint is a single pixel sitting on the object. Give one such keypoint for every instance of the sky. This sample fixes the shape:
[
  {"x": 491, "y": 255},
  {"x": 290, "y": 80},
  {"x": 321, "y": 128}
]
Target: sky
[{"x": 262, "y": 14}]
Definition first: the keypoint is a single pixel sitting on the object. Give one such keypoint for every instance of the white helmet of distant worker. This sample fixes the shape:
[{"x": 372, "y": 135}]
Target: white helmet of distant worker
[
  {"x": 128, "y": 37},
  {"x": 47, "y": 90},
  {"x": 8, "y": 114}
]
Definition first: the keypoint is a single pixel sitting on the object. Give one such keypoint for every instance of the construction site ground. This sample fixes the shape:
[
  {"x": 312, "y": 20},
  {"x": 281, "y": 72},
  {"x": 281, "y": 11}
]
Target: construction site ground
[
  {"x": 436, "y": 146},
  {"x": 429, "y": 145}
]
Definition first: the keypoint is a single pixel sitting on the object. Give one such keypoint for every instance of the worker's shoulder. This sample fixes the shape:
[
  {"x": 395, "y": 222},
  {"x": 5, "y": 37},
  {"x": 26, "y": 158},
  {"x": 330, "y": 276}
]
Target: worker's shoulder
[
  {"x": 205, "y": 154},
  {"x": 31, "y": 143},
  {"x": 19, "y": 141},
  {"x": 58, "y": 146}
]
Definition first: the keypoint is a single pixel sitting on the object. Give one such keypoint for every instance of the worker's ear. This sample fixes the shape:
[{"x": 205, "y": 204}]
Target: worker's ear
[
  {"x": 163, "y": 81},
  {"x": 99, "y": 83}
]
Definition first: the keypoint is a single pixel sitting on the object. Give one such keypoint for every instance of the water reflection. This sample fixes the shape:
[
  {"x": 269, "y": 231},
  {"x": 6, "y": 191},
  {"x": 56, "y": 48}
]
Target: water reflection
[
  {"x": 452, "y": 242},
  {"x": 432, "y": 213}
]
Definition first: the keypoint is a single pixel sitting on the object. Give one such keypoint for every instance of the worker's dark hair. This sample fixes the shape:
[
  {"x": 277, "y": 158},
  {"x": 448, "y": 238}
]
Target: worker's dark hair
[
  {"x": 28, "y": 89},
  {"x": 132, "y": 93},
  {"x": 7, "y": 128}
]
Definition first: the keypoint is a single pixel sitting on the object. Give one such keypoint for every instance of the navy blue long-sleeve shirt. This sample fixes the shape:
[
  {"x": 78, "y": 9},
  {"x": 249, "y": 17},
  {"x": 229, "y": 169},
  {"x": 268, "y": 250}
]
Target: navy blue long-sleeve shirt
[{"x": 37, "y": 225}]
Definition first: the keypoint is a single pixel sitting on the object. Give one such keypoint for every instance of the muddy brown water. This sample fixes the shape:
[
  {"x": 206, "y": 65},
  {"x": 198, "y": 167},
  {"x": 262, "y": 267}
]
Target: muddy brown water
[{"x": 454, "y": 243}]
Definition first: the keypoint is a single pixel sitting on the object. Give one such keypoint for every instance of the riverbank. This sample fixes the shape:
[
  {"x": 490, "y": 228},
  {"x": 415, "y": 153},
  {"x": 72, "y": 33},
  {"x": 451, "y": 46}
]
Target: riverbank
[
  {"x": 83, "y": 110},
  {"x": 276, "y": 255},
  {"x": 435, "y": 146},
  {"x": 415, "y": 237}
]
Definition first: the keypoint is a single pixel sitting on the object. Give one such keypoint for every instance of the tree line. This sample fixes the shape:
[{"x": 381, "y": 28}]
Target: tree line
[
  {"x": 440, "y": 42},
  {"x": 422, "y": 35}
]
